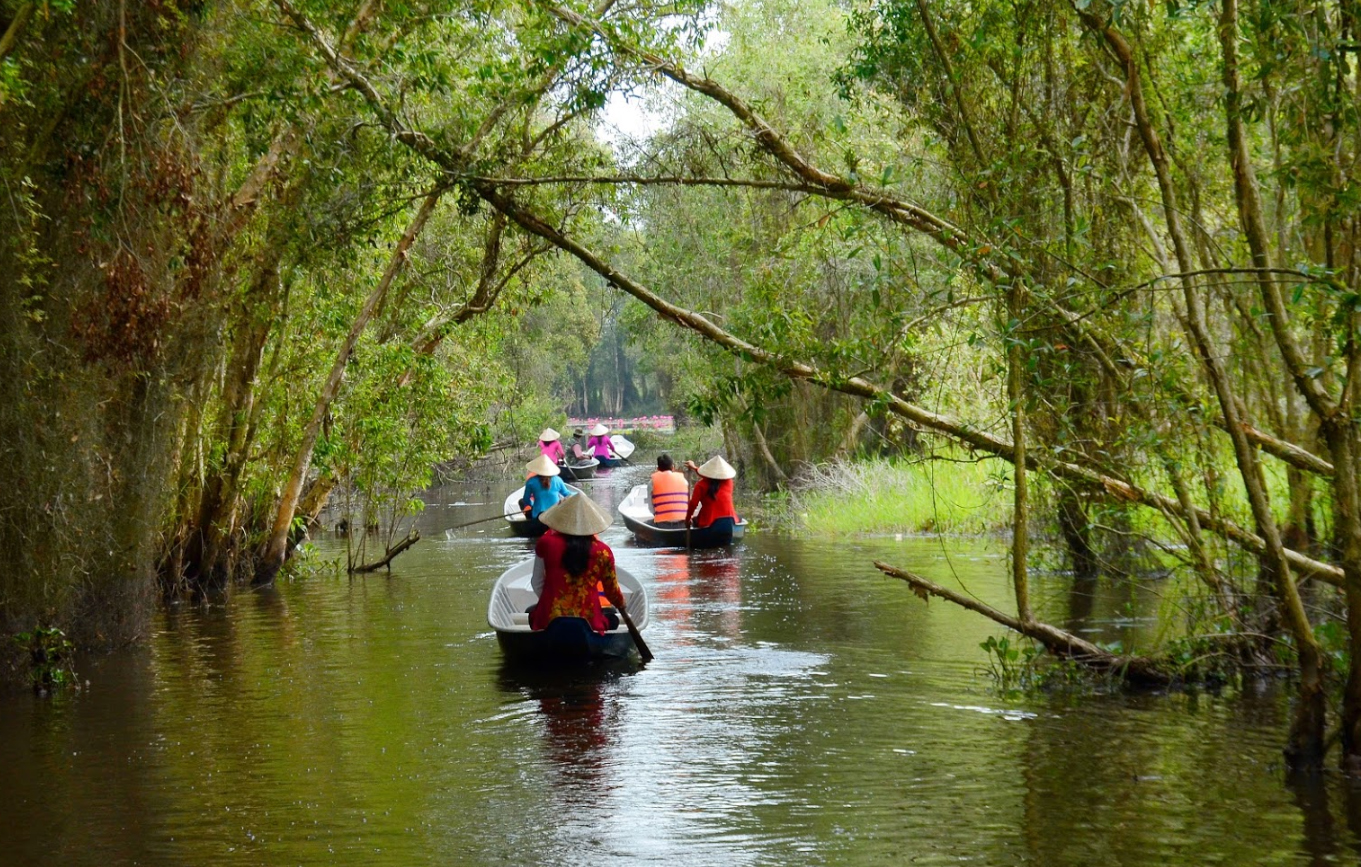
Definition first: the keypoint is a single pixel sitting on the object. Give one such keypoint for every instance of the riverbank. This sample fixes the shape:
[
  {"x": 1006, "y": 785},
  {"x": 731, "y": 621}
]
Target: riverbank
[{"x": 880, "y": 496}]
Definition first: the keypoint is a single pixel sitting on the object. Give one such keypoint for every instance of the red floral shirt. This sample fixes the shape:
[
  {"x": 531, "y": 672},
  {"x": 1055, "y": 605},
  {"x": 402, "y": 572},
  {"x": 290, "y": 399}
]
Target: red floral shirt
[{"x": 567, "y": 595}]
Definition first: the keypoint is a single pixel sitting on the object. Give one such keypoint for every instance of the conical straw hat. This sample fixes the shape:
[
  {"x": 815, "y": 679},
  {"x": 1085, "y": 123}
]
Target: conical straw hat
[
  {"x": 717, "y": 468},
  {"x": 599, "y": 430},
  {"x": 576, "y": 516},
  {"x": 548, "y": 435},
  {"x": 542, "y": 466}
]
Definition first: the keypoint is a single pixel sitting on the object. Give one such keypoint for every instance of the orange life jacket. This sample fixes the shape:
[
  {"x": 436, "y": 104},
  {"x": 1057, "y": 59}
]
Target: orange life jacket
[
  {"x": 600, "y": 591},
  {"x": 670, "y": 496}
]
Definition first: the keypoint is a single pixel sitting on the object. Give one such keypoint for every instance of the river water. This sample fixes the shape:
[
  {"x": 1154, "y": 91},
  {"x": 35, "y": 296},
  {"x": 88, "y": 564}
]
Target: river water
[{"x": 801, "y": 709}]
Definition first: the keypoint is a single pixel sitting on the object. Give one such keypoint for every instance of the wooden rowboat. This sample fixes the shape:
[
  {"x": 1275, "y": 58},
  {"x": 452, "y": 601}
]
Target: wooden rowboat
[
  {"x": 583, "y": 470},
  {"x": 622, "y": 446},
  {"x": 638, "y": 518},
  {"x": 520, "y": 523},
  {"x": 567, "y": 639}
]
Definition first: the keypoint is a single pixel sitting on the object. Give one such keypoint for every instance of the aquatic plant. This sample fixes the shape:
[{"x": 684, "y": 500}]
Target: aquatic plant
[{"x": 49, "y": 653}]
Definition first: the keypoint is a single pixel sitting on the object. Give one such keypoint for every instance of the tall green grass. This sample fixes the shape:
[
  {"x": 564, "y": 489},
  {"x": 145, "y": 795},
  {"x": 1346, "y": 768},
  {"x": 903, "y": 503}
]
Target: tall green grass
[{"x": 898, "y": 496}]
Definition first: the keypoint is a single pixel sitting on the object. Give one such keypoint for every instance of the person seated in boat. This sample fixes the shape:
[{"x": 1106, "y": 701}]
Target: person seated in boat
[
  {"x": 573, "y": 569},
  {"x": 712, "y": 496},
  {"x": 668, "y": 494},
  {"x": 544, "y": 489},
  {"x": 579, "y": 440},
  {"x": 600, "y": 447},
  {"x": 550, "y": 445}
]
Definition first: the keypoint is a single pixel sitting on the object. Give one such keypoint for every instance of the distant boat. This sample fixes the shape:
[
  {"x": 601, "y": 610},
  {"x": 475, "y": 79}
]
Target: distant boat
[
  {"x": 520, "y": 523},
  {"x": 622, "y": 449},
  {"x": 567, "y": 639},
  {"x": 583, "y": 469},
  {"x": 638, "y": 518}
]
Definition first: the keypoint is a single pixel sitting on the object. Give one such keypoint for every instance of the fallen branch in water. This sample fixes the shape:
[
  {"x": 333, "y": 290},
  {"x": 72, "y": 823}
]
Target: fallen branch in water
[
  {"x": 1136, "y": 669},
  {"x": 401, "y": 546}
]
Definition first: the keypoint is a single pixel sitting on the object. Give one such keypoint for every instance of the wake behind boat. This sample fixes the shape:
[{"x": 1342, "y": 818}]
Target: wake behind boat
[
  {"x": 638, "y": 518},
  {"x": 567, "y": 639},
  {"x": 520, "y": 523}
]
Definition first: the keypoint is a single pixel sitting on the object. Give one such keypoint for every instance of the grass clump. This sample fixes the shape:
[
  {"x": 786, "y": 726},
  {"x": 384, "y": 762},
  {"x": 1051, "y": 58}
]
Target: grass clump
[{"x": 880, "y": 496}]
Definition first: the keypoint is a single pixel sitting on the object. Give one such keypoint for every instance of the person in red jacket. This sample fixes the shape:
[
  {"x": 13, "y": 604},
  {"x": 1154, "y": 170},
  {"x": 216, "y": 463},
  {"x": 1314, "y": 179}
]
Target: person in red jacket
[
  {"x": 711, "y": 507},
  {"x": 573, "y": 569}
]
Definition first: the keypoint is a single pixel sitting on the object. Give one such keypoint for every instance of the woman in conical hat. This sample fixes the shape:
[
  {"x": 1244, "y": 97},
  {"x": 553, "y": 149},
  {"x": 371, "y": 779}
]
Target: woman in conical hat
[
  {"x": 544, "y": 489},
  {"x": 599, "y": 445},
  {"x": 550, "y": 444},
  {"x": 712, "y": 497},
  {"x": 573, "y": 569}
]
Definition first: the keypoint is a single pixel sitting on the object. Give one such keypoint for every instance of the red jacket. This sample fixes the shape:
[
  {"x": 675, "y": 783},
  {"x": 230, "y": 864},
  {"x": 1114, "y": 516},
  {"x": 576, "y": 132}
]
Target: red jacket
[{"x": 711, "y": 509}]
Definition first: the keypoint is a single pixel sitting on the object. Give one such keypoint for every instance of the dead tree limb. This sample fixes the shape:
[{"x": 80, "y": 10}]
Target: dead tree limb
[
  {"x": 392, "y": 552},
  {"x": 1136, "y": 669}
]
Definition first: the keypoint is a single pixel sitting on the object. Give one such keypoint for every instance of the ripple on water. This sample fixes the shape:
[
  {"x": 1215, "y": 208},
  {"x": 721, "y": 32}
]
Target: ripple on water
[{"x": 801, "y": 710}]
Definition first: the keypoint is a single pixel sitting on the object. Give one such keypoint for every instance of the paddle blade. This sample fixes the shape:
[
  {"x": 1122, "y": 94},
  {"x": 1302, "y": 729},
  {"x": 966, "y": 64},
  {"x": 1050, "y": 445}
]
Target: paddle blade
[{"x": 637, "y": 636}]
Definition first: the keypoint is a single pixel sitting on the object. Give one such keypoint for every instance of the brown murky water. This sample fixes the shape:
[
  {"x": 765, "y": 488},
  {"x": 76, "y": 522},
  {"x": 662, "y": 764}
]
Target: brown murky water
[{"x": 802, "y": 709}]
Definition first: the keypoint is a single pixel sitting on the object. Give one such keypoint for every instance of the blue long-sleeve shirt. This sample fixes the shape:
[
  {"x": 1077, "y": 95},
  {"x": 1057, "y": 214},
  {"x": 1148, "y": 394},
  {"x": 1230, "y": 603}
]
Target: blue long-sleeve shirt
[{"x": 542, "y": 499}]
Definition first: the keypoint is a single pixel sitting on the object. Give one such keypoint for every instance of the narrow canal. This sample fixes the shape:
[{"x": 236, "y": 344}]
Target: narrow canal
[{"x": 802, "y": 709}]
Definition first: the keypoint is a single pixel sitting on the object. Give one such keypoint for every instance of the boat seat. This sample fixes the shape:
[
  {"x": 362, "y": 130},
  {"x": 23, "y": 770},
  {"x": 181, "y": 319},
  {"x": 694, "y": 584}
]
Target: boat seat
[{"x": 519, "y": 618}]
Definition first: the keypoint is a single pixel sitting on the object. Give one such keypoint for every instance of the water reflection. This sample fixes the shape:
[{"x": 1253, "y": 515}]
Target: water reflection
[
  {"x": 802, "y": 709},
  {"x": 718, "y": 589},
  {"x": 578, "y": 719}
]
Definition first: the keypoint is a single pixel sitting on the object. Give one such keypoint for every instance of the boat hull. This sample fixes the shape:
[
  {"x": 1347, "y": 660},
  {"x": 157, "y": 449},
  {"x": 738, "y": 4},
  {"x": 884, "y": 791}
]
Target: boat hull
[
  {"x": 637, "y": 518},
  {"x": 529, "y": 528},
  {"x": 566, "y": 640},
  {"x": 707, "y": 537},
  {"x": 521, "y": 524},
  {"x": 583, "y": 471}
]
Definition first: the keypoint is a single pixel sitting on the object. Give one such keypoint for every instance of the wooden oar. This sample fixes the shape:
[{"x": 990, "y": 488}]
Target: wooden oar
[
  {"x": 636, "y": 635},
  {"x": 485, "y": 520}
]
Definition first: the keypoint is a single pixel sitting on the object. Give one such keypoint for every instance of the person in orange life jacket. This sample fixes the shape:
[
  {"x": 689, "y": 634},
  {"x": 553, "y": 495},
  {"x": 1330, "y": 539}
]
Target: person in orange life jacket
[
  {"x": 544, "y": 489},
  {"x": 573, "y": 569},
  {"x": 601, "y": 448},
  {"x": 668, "y": 494},
  {"x": 712, "y": 496},
  {"x": 550, "y": 445}
]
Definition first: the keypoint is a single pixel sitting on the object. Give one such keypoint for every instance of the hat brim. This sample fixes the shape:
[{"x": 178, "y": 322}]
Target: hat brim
[
  {"x": 717, "y": 469},
  {"x": 576, "y": 516},
  {"x": 542, "y": 466}
]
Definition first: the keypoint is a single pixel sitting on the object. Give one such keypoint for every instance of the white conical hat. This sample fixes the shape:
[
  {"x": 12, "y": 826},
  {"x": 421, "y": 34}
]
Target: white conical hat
[
  {"x": 576, "y": 516},
  {"x": 548, "y": 435},
  {"x": 599, "y": 430},
  {"x": 542, "y": 466},
  {"x": 717, "y": 468}
]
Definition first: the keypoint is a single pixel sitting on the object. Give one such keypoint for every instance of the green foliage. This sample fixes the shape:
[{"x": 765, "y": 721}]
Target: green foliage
[
  {"x": 50, "y": 658},
  {"x": 899, "y": 496}
]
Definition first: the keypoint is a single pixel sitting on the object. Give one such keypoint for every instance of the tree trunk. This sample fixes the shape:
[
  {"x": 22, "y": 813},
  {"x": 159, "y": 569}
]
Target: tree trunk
[
  {"x": 203, "y": 562},
  {"x": 275, "y": 549},
  {"x": 1077, "y": 534},
  {"x": 1020, "y": 521},
  {"x": 1305, "y": 747}
]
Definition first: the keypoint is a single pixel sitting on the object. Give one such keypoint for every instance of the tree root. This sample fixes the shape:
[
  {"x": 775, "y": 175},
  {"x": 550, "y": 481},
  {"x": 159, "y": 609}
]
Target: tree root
[{"x": 1141, "y": 670}]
